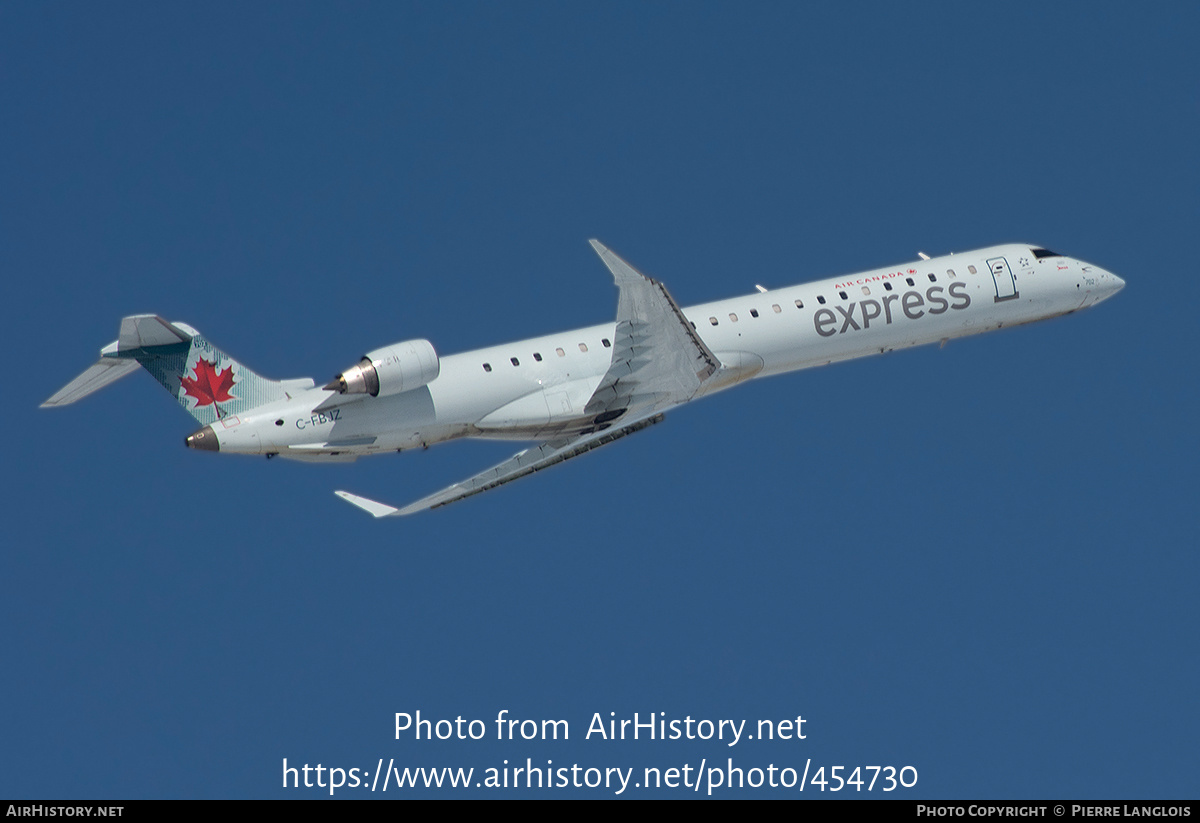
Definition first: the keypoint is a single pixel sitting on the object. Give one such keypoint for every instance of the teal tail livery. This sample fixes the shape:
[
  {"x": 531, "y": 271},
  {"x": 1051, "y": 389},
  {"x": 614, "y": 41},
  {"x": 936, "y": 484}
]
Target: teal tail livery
[
  {"x": 573, "y": 391},
  {"x": 209, "y": 384}
]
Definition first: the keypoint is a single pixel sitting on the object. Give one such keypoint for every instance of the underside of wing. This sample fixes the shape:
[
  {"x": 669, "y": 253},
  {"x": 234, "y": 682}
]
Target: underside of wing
[
  {"x": 658, "y": 360},
  {"x": 519, "y": 465}
]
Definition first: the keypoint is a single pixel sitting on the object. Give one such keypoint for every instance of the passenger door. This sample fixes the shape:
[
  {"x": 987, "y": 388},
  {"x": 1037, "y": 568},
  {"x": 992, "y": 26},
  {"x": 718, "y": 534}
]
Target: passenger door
[{"x": 1002, "y": 276}]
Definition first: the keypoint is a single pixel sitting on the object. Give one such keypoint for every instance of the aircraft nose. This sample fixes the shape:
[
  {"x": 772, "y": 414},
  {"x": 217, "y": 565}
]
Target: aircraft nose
[
  {"x": 1110, "y": 284},
  {"x": 204, "y": 440},
  {"x": 1101, "y": 284}
]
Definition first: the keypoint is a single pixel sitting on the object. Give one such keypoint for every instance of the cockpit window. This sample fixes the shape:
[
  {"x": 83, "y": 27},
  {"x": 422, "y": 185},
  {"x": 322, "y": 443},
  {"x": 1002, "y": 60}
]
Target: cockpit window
[{"x": 1042, "y": 253}]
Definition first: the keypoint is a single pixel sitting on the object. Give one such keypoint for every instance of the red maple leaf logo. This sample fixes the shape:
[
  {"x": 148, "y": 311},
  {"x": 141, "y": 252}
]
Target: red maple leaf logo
[{"x": 208, "y": 386}]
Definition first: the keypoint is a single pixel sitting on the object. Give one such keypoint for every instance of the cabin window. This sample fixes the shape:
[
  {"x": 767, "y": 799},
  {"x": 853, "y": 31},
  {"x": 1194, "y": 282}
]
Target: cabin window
[
  {"x": 887, "y": 286},
  {"x": 537, "y": 357},
  {"x": 732, "y": 317},
  {"x": 821, "y": 299},
  {"x": 932, "y": 278},
  {"x": 971, "y": 269},
  {"x": 606, "y": 343},
  {"x": 712, "y": 320},
  {"x": 487, "y": 366},
  {"x": 515, "y": 361},
  {"x": 693, "y": 325},
  {"x": 909, "y": 281},
  {"x": 799, "y": 304},
  {"x": 866, "y": 290},
  {"x": 950, "y": 272},
  {"x": 754, "y": 312},
  {"x": 842, "y": 295},
  {"x": 775, "y": 308},
  {"x": 583, "y": 347},
  {"x": 560, "y": 352}
]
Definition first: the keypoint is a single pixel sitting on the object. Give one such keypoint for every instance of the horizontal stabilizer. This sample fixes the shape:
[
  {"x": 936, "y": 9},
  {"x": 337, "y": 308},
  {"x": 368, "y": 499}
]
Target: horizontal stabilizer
[
  {"x": 95, "y": 378},
  {"x": 206, "y": 382},
  {"x": 148, "y": 330}
]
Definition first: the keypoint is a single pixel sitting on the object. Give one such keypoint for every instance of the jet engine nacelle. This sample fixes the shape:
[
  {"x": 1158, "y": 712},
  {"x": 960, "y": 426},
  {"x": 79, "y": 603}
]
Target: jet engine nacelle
[{"x": 390, "y": 370}]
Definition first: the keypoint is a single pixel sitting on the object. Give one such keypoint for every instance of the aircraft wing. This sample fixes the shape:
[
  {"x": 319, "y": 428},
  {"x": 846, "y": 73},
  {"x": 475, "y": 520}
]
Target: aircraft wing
[
  {"x": 658, "y": 359},
  {"x": 519, "y": 465}
]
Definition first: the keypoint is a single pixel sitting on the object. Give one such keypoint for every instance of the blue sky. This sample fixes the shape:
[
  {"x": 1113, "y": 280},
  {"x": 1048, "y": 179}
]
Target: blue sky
[{"x": 978, "y": 561}]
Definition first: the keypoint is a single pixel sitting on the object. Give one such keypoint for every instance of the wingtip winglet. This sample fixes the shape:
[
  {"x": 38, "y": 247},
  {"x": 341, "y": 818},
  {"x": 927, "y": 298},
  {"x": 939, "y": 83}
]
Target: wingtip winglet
[{"x": 372, "y": 507}]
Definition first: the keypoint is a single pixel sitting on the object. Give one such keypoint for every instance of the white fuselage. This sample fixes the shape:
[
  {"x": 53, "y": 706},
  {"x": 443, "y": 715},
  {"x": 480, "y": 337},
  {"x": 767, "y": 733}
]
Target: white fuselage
[{"x": 537, "y": 388}]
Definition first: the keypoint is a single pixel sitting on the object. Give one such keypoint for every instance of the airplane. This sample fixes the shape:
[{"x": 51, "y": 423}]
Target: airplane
[{"x": 581, "y": 389}]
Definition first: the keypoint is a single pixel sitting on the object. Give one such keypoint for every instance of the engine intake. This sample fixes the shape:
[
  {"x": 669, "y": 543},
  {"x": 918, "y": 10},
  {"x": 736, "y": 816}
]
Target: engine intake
[{"x": 390, "y": 370}]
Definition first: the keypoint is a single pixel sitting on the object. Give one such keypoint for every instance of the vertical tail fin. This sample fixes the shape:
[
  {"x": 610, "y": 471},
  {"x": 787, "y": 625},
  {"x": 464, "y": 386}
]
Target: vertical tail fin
[{"x": 208, "y": 383}]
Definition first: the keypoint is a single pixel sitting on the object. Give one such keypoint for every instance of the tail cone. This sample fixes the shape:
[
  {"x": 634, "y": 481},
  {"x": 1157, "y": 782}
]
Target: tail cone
[{"x": 204, "y": 440}]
